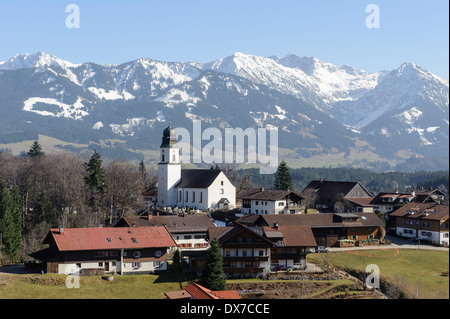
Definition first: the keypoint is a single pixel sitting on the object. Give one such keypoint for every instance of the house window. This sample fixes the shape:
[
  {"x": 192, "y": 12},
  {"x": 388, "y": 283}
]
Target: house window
[
  {"x": 100, "y": 264},
  {"x": 179, "y": 196},
  {"x": 101, "y": 253},
  {"x": 193, "y": 196},
  {"x": 158, "y": 253},
  {"x": 136, "y": 265},
  {"x": 256, "y": 203},
  {"x": 221, "y": 183},
  {"x": 134, "y": 240},
  {"x": 201, "y": 197},
  {"x": 244, "y": 253},
  {"x": 187, "y": 196},
  {"x": 281, "y": 204},
  {"x": 222, "y": 191},
  {"x": 227, "y": 253},
  {"x": 157, "y": 264},
  {"x": 188, "y": 237},
  {"x": 136, "y": 254},
  {"x": 173, "y": 158},
  {"x": 78, "y": 265}
]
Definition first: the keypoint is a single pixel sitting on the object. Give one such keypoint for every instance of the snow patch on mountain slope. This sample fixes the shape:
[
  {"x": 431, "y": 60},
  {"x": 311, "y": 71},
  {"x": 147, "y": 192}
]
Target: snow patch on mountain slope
[{"x": 74, "y": 111}]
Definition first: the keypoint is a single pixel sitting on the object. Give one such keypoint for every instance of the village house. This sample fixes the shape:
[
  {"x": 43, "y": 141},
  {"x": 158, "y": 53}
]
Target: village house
[
  {"x": 436, "y": 194},
  {"x": 291, "y": 244},
  {"x": 336, "y": 196},
  {"x": 189, "y": 232},
  {"x": 245, "y": 250},
  {"x": 202, "y": 189},
  {"x": 385, "y": 202},
  {"x": 427, "y": 222},
  {"x": 106, "y": 250},
  {"x": 271, "y": 201},
  {"x": 328, "y": 228}
]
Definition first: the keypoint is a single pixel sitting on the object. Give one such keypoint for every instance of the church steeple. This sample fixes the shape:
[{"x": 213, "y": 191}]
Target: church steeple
[
  {"x": 169, "y": 168},
  {"x": 169, "y": 138}
]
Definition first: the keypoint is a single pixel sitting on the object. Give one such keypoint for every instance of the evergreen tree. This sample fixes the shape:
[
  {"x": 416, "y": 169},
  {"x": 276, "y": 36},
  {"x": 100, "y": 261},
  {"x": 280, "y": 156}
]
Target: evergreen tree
[
  {"x": 35, "y": 150},
  {"x": 95, "y": 180},
  {"x": 212, "y": 277},
  {"x": 283, "y": 179},
  {"x": 10, "y": 221},
  {"x": 95, "y": 177}
]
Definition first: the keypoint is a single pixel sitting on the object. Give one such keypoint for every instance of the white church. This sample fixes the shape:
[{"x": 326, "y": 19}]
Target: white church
[{"x": 201, "y": 189}]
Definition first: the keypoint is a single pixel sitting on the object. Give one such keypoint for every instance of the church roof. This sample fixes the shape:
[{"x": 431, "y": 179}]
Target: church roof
[
  {"x": 197, "y": 178},
  {"x": 169, "y": 138}
]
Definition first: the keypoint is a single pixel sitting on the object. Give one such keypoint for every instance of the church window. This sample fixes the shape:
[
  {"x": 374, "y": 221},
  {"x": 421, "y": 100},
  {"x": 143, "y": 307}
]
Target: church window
[
  {"x": 173, "y": 158},
  {"x": 163, "y": 157}
]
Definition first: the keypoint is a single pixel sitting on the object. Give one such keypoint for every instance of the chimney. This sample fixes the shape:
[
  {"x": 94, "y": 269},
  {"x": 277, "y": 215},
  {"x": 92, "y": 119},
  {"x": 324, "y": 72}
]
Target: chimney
[
  {"x": 61, "y": 229},
  {"x": 262, "y": 189},
  {"x": 275, "y": 224}
]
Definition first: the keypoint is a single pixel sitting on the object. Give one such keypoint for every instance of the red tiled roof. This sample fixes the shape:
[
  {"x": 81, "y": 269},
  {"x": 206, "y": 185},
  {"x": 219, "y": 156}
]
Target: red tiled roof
[
  {"x": 74, "y": 239},
  {"x": 199, "y": 292}
]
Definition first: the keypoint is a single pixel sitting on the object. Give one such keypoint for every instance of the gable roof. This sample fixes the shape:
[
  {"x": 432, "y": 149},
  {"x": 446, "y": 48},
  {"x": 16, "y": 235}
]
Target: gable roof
[
  {"x": 422, "y": 211},
  {"x": 270, "y": 194},
  {"x": 238, "y": 229},
  {"x": 173, "y": 223},
  {"x": 416, "y": 198},
  {"x": 292, "y": 235},
  {"x": 330, "y": 189},
  {"x": 321, "y": 220},
  {"x": 76, "y": 239},
  {"x": 197, "y": 178}
]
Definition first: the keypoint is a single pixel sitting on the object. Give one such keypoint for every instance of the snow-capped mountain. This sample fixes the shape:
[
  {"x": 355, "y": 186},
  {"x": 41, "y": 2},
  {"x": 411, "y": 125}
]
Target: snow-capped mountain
[{"x": 319, "y": 108}]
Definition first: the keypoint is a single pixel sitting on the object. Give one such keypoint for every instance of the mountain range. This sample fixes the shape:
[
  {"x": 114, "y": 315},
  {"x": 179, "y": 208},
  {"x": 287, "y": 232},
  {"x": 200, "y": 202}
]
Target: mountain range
[{"x": 327, "y": 115}]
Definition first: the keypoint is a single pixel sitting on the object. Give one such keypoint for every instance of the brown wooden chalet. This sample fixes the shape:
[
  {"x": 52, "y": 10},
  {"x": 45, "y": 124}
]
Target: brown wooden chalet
[
  {"x": 327, "y": 228},
  {"x": 427, "y": 222},
  {"x": 121, "y": 250},
  {"x": 245, "y": 250},
  {"x": 291, "y": 244}
]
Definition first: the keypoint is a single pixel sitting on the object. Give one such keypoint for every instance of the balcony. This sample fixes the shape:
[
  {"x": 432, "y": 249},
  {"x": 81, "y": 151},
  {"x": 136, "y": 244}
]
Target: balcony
[{"x": 245, "y": 258}]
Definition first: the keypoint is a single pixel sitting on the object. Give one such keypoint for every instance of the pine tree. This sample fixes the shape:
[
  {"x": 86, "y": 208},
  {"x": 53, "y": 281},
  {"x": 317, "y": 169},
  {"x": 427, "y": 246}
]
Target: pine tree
[
  {"x": 212, "y": 277},
  {"x": 283, "y": 179},
  {"x": 95, "y": 180},
  {"x": 35, "y": 150},
  {"x": 95, "y": 177},
  {"x": 10, "y": 221}
]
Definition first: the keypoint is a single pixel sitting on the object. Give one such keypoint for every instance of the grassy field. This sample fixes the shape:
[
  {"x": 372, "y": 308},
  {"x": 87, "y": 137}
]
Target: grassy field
[
  {"x": 51, "y": 286},
  {"x": 417, "y": 272}
]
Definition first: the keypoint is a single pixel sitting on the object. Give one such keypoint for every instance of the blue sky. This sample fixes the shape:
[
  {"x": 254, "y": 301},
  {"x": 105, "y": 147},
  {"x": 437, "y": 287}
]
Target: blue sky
[{"x": 116, "y": 31}]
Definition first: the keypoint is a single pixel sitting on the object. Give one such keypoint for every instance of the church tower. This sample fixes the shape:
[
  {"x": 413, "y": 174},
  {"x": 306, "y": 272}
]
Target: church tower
[{"x": 169, "y": 168}]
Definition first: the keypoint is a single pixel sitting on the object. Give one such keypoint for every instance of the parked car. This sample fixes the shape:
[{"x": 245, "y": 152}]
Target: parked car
[
  {"x": 322, "y": 249},
  {"x": 310, "y": 251}
]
